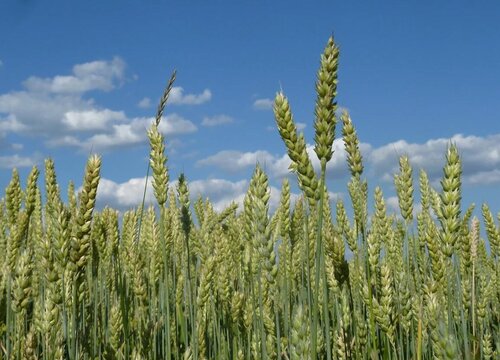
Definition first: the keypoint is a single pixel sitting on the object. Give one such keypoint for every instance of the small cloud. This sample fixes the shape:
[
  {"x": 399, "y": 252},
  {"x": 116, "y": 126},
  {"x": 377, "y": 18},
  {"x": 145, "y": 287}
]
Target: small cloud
[
  {"x": 17, "y": 146},
  {"x": 11, "y": 124},
  {"x": 300, "y": 126},
  {"x": 235, "y": 161},
  {"x": 51, "y": 106},
  {"x": 263, "y": 104},
  {"x": 124, "y": 195},
  {"x": 66, "y": 140},
  {"x": 95, "y": 75},
  {"x": 480, "y": 157},
  {"x": 131, "y": 133},
  {"x": 178, "y": 97},
  {"x": 16, "y": 161},
  {"x": 217, "y": 120},
  {"x": 145, "y": 103},
  {"x": 91, "y": 119},
  {"x": 484, "y": 177}
]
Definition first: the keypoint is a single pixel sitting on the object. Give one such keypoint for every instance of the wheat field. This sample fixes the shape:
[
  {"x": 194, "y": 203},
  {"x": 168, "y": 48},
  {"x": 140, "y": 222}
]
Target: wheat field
[{"x": 180, "y": 280}]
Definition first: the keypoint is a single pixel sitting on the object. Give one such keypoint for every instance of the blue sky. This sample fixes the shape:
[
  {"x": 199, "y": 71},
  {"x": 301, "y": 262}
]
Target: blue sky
[{"x": 76, "y": 77}]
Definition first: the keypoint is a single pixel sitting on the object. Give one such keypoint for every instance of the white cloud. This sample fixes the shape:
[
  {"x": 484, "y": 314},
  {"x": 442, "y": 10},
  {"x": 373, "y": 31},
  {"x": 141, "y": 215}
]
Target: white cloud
[
  {"x": 128, "y": 133},
  {"x": 484, "y": 177},
  {"x": 56, "y": 110},
  {"x": 66, "y": 140},
  {"x": 220, "y": 192},
  {"x": 263, "y": 104},
  {"x": 16, "y": 161},
  {"x": 178, "y": 97},
  {"x": 301, "y": 126},
  {"x": 392, "y": 206},
  {"x": 145, "y": 103},
  {"x": 235, "y": 161},
  {"x": 49, "y": 107},
  {"x": 124, "y": 195},
  {"x": 278, "y": 166},
  {"x": 217, "y": 120},
  {"x": 480, "y": 159},
  {"x": 11, "y": 124},
  {"x": 129, "y": 194},
  {"x": 38, "y": 113},
  {"x": 91, "y": 119},
  {"x": 95, "y": 75}
]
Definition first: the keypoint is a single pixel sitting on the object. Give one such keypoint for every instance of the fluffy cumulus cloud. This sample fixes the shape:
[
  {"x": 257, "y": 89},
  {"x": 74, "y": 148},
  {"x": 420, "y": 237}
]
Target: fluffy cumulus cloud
[
  {"x": 301, "y": 126},
  {"x": 126, "y": 134},
  {"x": 124, "y": 195},
  {"x": 128, "y": 194},
  {"x": 59, "y": 110},
  {"x": 17, "y": 161},
  {"x": 235, "y": 161},
  {"x": 178, "y": 97},
  {"x": 277, "y": 166},
  {"x": 263, "y": 104},
  {"x": 91, "y": 119},
  {"x": 145, "y": 103},
  {"x": 52, "y": 106},
  {"x": 480, "y": 159},
  {"x": 217, "y": 120},
  {"x": 95, "y": 75},
  {"x": 221, "y": 192}
]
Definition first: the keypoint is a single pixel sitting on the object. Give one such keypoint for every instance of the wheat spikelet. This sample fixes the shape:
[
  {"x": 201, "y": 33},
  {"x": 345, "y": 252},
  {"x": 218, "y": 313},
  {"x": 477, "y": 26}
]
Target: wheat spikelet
[
  {"x": 326, "y": 89},
  {"x": 492, "y": 230},
  {"x": 351, "y": 143},
  {"x": 451, "y": 196},
  {"x": 22, "y": 288},
  {"x": 13, "y": 198},
  {"x": 158, "y": 164},
  {"x": 404, "y": 187},
  {"x": 80, "y": 246},
  {"x": 296, "y": 146},
  {"x": 163, "y": 101},
  {"x": 300, "y": 335}
]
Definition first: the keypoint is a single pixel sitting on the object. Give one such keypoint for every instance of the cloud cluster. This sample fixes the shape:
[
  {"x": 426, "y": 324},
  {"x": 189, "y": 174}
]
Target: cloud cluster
[
  {"x": 263, "y": 104},
  {"x": 95, "y": 75},
  {"x": 17, "y": 161},
  {"x": 177, "y": 97},
  {"x": 129, "y": 194},
  {"x": 59, "y": 110},
  {"x": 216, "y": 120},
  {"x": 126, "y": 134},
  {"x": 220, "y": 192},
  {"x": 480, "y": 159},
  {"x": 125, "y": 195},
  {"x": 145, "y": 103},
  {"x": 277, "y": 166}
]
